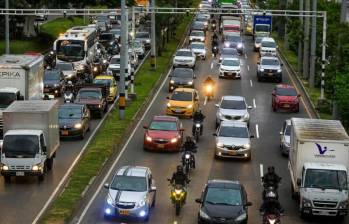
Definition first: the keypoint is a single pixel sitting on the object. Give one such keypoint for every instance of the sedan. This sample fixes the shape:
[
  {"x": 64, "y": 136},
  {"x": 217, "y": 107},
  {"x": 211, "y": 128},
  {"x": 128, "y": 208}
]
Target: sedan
[
  {"x": 197, "y": 35},
  {"x": 183, "y": 102},
  {"x": 181, "y": 77},
  {"x": 68, "y": 70},
  {"x": 139, "y": 49},
  {"x": 145, "y": 38},
  {"x": 54, "y": 82},
  {"x": 232, "y": 108},
  {"x": 234, "y": 41},
  {"x": 233, "y": 140},
  {"x": 184, "y": 58},
  {"x": 285, "y": 137},
  {"x": 285, "y": 97},
  {"x": 228, "y": 53},
  {"x": 164, "y": 133},
  {"x": 223, "y": 201},
  {"x": 199, "y": 49},
  {"x": 74, "y": 120},
  {"x": 230, "y": 68}
]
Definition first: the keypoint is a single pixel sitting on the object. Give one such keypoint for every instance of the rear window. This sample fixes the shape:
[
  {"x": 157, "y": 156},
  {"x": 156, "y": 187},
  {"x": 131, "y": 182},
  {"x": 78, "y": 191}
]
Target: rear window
[{"x": 286, "y": 92}]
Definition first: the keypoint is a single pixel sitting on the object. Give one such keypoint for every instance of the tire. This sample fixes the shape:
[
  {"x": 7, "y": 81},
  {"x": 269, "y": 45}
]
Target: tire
[
  {"x": 82, "y": 136},
  {"x": 105, "y": 108},
  {"x": 197, "y": 137},
  {"x": 187, "y": 169},
  {"x": 297, "y": 110},
  {"x": 178, "y": 209},
  {"x": 49, "y": 163},
  {"x": 7, "y": 178},
  {"x": 41, "y": 177},
  {"x": 274, "y": 108},
  {"x": 259, "y": 79}
]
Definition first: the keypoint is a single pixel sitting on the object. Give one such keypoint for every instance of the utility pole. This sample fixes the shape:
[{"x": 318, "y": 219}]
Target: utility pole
[
  {"x": 286, "y": 31},
  {"x": 122, "y": 100},
  {"x": 133, "y": 46},
  {"x": 313, "y": 48},
  {"x": 7, "y": 29},
  {"x": 127, "y": 72},
  {"x": 153, "y": 38},
  {"x": 306, "y": 43},
  {"x": 300, "y": 42}
]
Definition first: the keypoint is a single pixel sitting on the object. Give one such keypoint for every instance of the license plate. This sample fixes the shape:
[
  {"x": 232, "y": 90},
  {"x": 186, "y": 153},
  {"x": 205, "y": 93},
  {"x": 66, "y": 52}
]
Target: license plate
[
  {"x": 65, "y": 132},
  {"x": 161, "y": 146},
  {"x": 19, "y": 174},
  {"x": 46, "y": 90},
  {"x": 178, "y": 111},
  {"x": 232, "y": 153},
  {"x": 286, "y": 105},
  {"x": 229, "y": 73},
  {"x": 123, "y": 212},
  {"x": 270, "y": 74}
]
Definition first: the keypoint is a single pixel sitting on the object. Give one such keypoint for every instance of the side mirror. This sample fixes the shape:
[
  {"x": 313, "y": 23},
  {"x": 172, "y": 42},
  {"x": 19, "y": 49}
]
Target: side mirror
[
  {"x": 299, "y": 182},
  {"x": 145, "y": 126},
  {"x": 248, "y": 204},
  {"x": 258, "y": 62},
  {"x": 198, "y": 200},
  {"x": 216, "y": 105},
  {"x": 167, "y": 97},
  {"x": 44, "y": 149},
  {"x": 251, "y": 136},
  {"x": 273, "y": 94},
  {"x": 152, "y": 189},
  {"x": 281, "y": 133},
  {"x": 214, "y": 134},
  {"x": 282, "y": 64},
  {"x": 106, "y": 186}
]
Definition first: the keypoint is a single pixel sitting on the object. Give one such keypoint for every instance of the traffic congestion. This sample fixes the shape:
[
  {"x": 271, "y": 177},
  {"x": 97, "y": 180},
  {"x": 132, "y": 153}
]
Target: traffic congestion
[{"x": 226, "y": 138}]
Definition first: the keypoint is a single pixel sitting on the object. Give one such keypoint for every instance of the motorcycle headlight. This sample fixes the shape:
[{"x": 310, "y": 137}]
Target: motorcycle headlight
[
  {"x": 203, "y": 215},
  {"x": 197, "y": 125},
  {"x": 104, "y": 61},
  {"x": 168, "y": 105},
  {"x": 262, "y": 70},
  {"x": 190, "y": 83},
  {"x": 219, "y": 144},
  {"x": 95, "y": 69},
  {"x": 242, "y": 217},
  {"x": 111, "y": 42},
  {"x": 190, "y": 106},
  {"x": 279, "y": 70},
  {"x": 208, "y": 88},
  {"x": 187, "y": 156},
  {"x": 343, "y": 205},
  {"x": 247, "y": 146},
  {"x": 178, "y": 191},
  {"x": 147, "y": 41},
  {"x": 78, "y": 125},
  {"x": 306, "y": 202},
  {"x": 148, "y": 138},
  {"x": 174, "y": 140},
  {"x": 172, "y": 81}
]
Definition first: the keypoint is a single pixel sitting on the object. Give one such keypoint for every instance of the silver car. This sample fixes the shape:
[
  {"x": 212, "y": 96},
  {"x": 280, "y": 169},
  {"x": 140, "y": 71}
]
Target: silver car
[
  {"x": 139, "y": 49},
  {"x": 131, "y": 193},
  {"x": 232, "y": 108},
  {"x": 285, "y": 137},
  {"x": 233, "y": 140},
  {"x": 199, "y": 49},
  {"x": 184, "y": 58},
  {"x": 197, "y": 35}
]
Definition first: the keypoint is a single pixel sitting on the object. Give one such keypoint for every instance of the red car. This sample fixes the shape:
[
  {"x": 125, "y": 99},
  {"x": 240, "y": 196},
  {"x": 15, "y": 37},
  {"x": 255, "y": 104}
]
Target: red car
[
  {"x": 164, "y": 133},
  {"x": 285, "y": 97}
]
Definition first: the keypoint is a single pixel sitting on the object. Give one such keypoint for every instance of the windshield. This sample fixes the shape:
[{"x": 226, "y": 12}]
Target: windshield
[
  {"x": 326, "y": 179},
  {"x": 106, "y": 37},
  {"x": 198, "y": 25},
  {"x": 184, "y": 53},
  {"x": 182, "y": 96},
  {"x": 235, "y": 132},
  {"x": 106, "y": 82},
  {"x": 223, "y": 196},
  {"x": 197, "y": 46},
  {"x": 64, "y": 67},
  {"x": 269, "y": 44},
  {"x": 231, "y": 62},
  {"x": 69, "y": 113},
  {"x": 137, "y": 44},
  {"x": 142, "y": 35},
  {"x": 233, "y": 104},
  {"x": 70, "y": 50},
  {"x": 288, "y": 130},
  {"x": 259, "y": 39},
  {"x": 6, "y": 99},
  {"x": 51, "y": 75},
  {"x": 89, "y": 95},
  {"x": 286, "y": 92},
  {"x": 274, "y": 62},
  {"x": 102, "y": 18},
  {"x": 163, "y": 125},
  {"x": 197, "y": 34},
  {"x": 129, "y": 183},
  {"x": 229, "y": 51},
  {"x": 201, "y": 19},
  {"x": 101, "y": 23},
  {"x": 115, "y": 61},
  {"x": 232, "y": 38},
  {"x": 20, "y": 146},
  {"x": 183, "y": 73},
  {"x": 262, "y": 28}
]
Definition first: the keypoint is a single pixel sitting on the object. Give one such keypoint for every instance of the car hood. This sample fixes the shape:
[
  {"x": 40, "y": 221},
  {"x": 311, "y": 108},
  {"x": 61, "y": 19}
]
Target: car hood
[
  {"x": 270, "y": 67},
  {"x": 222, "y": 211},
  {"x": 196, "y": 50},
  {"x": 181, "y": 80},
  {"x": 68, "y": 122},
  {"x": 196, "y": 37},
  {"x": 127, "y": 196},
  {"x": 232, "y": 112},
  {"x": 87, "y": 101},
  {"x": 233, "y": 141},
  {"x": 162, "y": 134},
  {"x": 175, "y": 103},
  {"x": 286, "y": 98},
  {"x": 50, "y": 82},
  {"x": 67, "y": 73},
  {"x": 233, "y": 68},
  {"x": 268, "y": 48},
  {"x": 183, "y": 58},
  {"x": 318, "y": 194}
]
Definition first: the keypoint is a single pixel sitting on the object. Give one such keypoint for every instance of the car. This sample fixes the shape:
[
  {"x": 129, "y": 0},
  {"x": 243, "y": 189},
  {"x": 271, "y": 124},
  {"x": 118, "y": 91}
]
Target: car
[
  {"x": 223, "y": 201},
  {"x": 103, "y": 18},
  {"x": 184, "y": 58},
  {"x": 197, "y": 25},
  {"x": 233, "y": 140},
  {"x": 230, "y": 68},
  {"x": 54, "y": 82},
  {"x": 249, "y": 26},
  {"x": 145, "y": 38},
  {"x": 102, "y": 26},
  {"x": 133, "y": 58},
  {"x": 131, "y": 194},
  {"x": 269, "y": 68},
  {"x": 107, "y": 39},
  {"x": 164, "y": 133},
  {"x": 268, "y": 47},
  {"x": 139, "y": 48},
  {"x": 68, "y": 70},
  {"x": 111, "y": 83},
  {"x": 197, "y": 35},
  {"x": 232, "y": 108},
  {"x": 183, "y": 102},
  {"x": 258, "y": 40},
  {"x": 114, "y": 67},
  {"x": 199, "y": 49},
  {"x": 285, "y": 97},
  {"x": 228, "y": 53},
  {"x": 117, "y": 34},
  {"x": 285, "y": 137},
  {"x": 94, "y": 97},
  {"x": 204, "y": 19},
  {"x": 73, "y": 120},
  {"x": 234, "y": 40},
  {"x": 181, "y": 77}
]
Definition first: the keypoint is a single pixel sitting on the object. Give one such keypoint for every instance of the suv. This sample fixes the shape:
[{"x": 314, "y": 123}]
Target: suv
[
  {"x": 197, "y": 35},
  {"x": 145, "y": 38},
  {"x": 94, "y": 96},
  {"x": 114, "y": 67},
  {"x": 234, "y": 40},
  {"x": 285, "y": 97},
  {"x": 184, "y": 58},
  {"x": 268, "y": 47},
  {"x": 131, "y": 193},
  {"x": 269, "y": 68}
]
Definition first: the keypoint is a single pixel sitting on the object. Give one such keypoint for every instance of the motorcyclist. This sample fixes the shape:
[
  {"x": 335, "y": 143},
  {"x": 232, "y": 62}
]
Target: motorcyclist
[
  {"x": 179, "y": 177},
  {"x": 271, "y": 205},
  {"x": 189, "y": 146},
  {"x": 213, "y": 24},
  {"x": 198, "y": 117},
  {"x": 70, "y": 87},
  {"x": 271, "y": 178}
]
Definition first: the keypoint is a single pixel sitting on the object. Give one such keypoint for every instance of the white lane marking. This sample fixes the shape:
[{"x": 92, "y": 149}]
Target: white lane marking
[
  {"x": 261, "y": 171},
  {"x": 254, "y": 103},
  {"x": 248, "y": 68},
  {"x": 251, "y": 83},
  {"x": 257, "y": 131},
  {"x": 245, "y": 55},
  {"x": 212, "y": 65},
  {"x": 205, "y": 100},
  {"x": 121, "y": 152}
]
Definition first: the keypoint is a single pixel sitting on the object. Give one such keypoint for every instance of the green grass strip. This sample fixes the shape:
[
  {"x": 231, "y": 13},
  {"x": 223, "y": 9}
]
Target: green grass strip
[
  {"x": 110, "y": 135},
  {"x": 22, "y": 46},
  {"x": 60, "y": 25}
]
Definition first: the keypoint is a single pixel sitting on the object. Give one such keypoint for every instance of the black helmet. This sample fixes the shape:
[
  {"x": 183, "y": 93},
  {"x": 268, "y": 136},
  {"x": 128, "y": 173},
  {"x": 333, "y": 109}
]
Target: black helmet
[
  {"x": 188, "y": 139},
  {"x": 271, "y": 169},
  {"x": 179, "y": 168}
]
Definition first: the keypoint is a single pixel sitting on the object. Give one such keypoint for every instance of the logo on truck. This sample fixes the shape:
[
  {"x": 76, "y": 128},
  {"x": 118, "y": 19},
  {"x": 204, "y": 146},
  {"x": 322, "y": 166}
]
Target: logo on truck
[
  {"x": 322, "y": 151},
  {"x": 9, "y": 75}
]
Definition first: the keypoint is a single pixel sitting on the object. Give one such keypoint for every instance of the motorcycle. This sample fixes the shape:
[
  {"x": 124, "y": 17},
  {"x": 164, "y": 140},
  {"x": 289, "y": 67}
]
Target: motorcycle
[
  {"x": 270, "y": 190},
  {"x": 208, "y": 91},
  {"x": 197, "y": 130},
  {"x": 188, "y": 161},
  {"x": 178, "y": 197},
  {"x": 271, "y": 218},
  {"x": 215, "y": 51},
  {"x": 96, "y": 69},
  {"x": 50, "y": 60},
  {"x": 213, "y": 27}
]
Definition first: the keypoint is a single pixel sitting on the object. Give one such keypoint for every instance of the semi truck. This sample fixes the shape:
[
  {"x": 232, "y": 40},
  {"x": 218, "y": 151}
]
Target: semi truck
[
  {"x": 21, "y": 77},
  {"x": 31, "y": 138},
  {"x": 318, "y": 165},
  {"x": 262, "y": 25}
]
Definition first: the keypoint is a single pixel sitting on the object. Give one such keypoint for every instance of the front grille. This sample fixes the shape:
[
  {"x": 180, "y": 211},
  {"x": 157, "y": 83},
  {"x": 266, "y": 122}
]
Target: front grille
[
  {"x": 125, "y": 205},
  {"x": 20, "y": 167},
  {"x": 161, "y": 141},
  {"x": 63, "y": 128},
  {"x": 325, "y": 204},
  {"x": 232, "y": 147},
  {"x": 232, "y": 117}
]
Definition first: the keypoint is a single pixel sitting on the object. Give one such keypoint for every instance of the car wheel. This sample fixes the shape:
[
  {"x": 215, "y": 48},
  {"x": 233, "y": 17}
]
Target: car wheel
[
  {"x": 82, "y": 136},
  {"x": 297, "y": 109},
  {"x": 275, "y": 108},
  {"x": 7, "y": 178},
  {"x": 259, "y": 78}
]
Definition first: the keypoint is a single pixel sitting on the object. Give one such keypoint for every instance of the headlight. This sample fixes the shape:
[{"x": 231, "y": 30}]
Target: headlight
[
  {"x": 168, "y": 105},
  {"x": 81, "y": 67},
  {"x": 104, "y": 61},
  {"x": 239, "y": 45},
  {"x": 187, "y": 156},
  {"x": 262, "y": 69},
  {"x": 110, "y": 201},
  {"x": 147, "y": 41},
  {"x": 203, "y": 215},
  {"x": 189, "y": 106},
  {"x": 190, "y": 83},
  {"x": 36, "y": 167},
  {"x": 243, "y": 216},
  {"x": 78, "y": 125},
  {"x": 95, "y": 69},
  {"x": 246, "y": 116},
  {"x": 190, "y": 38},
  {"x": 148, "y": 138},
  {"x": 4, "y": 167},
  {"x": 172, "y": 81},
  {"x": 198, "y": 125},
  {"x": 247, "y": 146},
  {"x": 140, "y": 204},
  {"x": 174, "y": 140},
  {"x": 178, "y": 191},
  {"x": 219, "y": 144},
  {"x": 56, "y": 85},
  {"x": 343, "y": 205},
  {"x": 69, "y": 75},
  {"x": 306, "y": 202},
  {"x": 279, "y": 70},
  {"x": 226, "y": 44},
  {"x": 111, "y": 43}
]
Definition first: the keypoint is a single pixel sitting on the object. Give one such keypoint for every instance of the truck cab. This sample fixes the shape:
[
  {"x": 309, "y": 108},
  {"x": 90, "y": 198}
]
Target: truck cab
[{"x": 7, "y": 96}]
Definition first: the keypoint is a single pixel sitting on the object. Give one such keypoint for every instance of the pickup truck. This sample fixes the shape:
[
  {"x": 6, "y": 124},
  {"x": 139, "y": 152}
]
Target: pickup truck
[{"x": 94, "y": 96}]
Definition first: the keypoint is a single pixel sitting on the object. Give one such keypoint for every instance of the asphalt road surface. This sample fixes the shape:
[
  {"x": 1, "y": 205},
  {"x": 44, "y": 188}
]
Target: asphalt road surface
[{"x": 265, "y": 125}]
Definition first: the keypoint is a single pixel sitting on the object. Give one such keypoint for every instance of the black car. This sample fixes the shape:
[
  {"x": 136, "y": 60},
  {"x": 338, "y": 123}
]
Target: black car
[
  {"x": 181, "y": 77},
  {"x": 223, "y": 201},
  {"x": 54, "y": 82},
  {"x": 74, "y": 120},
  {"x": 117, "y": 33},
  {"x": 228, "y": 53},
  {"x": 107, "y": 39},
  {"x": 234, "y": 41}
]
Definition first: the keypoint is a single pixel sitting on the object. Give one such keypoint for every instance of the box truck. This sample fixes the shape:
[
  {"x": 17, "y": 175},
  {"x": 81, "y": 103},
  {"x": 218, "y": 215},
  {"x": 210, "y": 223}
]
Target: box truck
[
  {"x": 31, "y": 138},
  {"x": 318, "y": 165},
  {"x": 21, "y": 77},
  {"x": 262, "y": 25}
]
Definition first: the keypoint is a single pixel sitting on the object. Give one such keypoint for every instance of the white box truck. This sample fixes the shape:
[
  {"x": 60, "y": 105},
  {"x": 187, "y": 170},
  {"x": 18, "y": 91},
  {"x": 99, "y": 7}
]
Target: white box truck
[
  {"x": 318, "y": 165},
  {"x": 21, "y": 77},
  {"x": 31, "y": 138}
]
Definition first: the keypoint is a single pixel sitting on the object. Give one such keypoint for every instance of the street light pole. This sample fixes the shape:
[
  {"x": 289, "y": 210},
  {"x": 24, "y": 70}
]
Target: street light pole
[
  {"x": 7, "y": 29},
  {"x": 133, "y": 46},
  {"x": 313, "y": 48},
  {"x": 323, "y": 59},
  {"x": 153, "y": 38},
  {"x": 122, "y": 100}
]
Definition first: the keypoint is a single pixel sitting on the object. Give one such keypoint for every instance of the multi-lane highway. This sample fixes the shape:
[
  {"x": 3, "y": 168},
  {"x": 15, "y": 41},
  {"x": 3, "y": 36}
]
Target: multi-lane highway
[{"x": 265, "y": 125}]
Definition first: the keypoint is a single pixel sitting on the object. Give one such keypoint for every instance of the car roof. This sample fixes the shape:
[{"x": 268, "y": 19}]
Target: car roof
[
  {"x": 288, "y": 122},
  {"x": 224, "y": 184},
  {"x": 134, "y": 171},
  {"x": 234, "y": 123},
  {"x": 284, "y": 86},
  {"x": 190, "y": 90},
  {"x": 71, "y": 105},
  {"x": 235, "y": 34},
  {"x": 269, "y": 39},
  {"x": 197, "y": 42},
  {"x": 269, "y": 57},
  {"x": 116, "y": 56},
  {"x": 237, "y": 98},
  {"x": 164, "y": 118},
  {"x": 184, "y": 49},
  {"x": 231, "y": 58}
]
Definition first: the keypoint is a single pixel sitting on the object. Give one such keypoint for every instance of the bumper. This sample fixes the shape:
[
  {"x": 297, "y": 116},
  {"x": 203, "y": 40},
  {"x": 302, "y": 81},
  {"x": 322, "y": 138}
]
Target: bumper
[
  {"x": 263, "y": 53},
  {"x": 229, "y": 74},
  {"x": 52, "y": 90},
  {"x": 111, "y": 99},
  {"x": 217, "y": 221},
  {"x": 285, "y": 149},
  {"x": 183, "y": 64},
  {"x": 134, "y": 213},
  {"x": 196, "y": 39},
  {"x": 70, "y": 132},
  {"x": 21, "y": 173},
  {"x": 270, "y": 75},
  {"x": 224, "y": 118},
  {"x": 200, "y": 55},
  {"x": 287, "y": 106},
  {"x": 225, "y": 153},
  {"x": 325, "y": 212},
  {"x": 179, "y": 112},
  {"x": 170, "y": 147}
]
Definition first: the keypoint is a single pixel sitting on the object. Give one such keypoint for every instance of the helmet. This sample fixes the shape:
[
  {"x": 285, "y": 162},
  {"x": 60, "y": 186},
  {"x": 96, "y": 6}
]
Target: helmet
[
  {"x": 188, "y": 139},
  {"x": 271, "y": 169},
  {"x": 179, "y": 168},
  {"x": 70, "y": 83},
  {"x": 199, "y": 110}
]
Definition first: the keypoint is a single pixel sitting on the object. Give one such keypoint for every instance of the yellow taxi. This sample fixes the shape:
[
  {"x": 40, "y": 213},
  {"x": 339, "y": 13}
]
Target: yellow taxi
[
  {"x": 109, "y": 81},
  {"x": 249, "y": 27},
  {"x": 183, "y": 102}
]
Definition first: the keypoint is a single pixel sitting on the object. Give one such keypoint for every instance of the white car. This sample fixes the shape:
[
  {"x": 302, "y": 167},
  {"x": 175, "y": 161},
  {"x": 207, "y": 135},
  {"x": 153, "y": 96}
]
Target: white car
[
  {"x": 232, "y": 108},
  {"x": 184, "y": 58},
  {"x": 230, "y": 68},
  {"x": 233, "y": 140},
  {"x": 139, "y": 49},
  {"x": 268, "y": 47},
  {"x": 197, "y": 35},
  {"x": 285, "y": 138},
  {"x": 114, "y": 67},
  {"x": 133, "y": 58},
  {"x": 199, "y": 49},
  {"x": 131, "y": 193}
]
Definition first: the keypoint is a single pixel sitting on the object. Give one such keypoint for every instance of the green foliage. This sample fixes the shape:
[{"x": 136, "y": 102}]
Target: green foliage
[
  {"x": 342, "y": 96},
  {"x": 60, "y": 25}
]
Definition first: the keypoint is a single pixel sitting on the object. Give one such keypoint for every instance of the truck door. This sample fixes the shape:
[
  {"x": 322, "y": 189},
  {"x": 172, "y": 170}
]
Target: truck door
[{"x": 42, "y": 143}]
